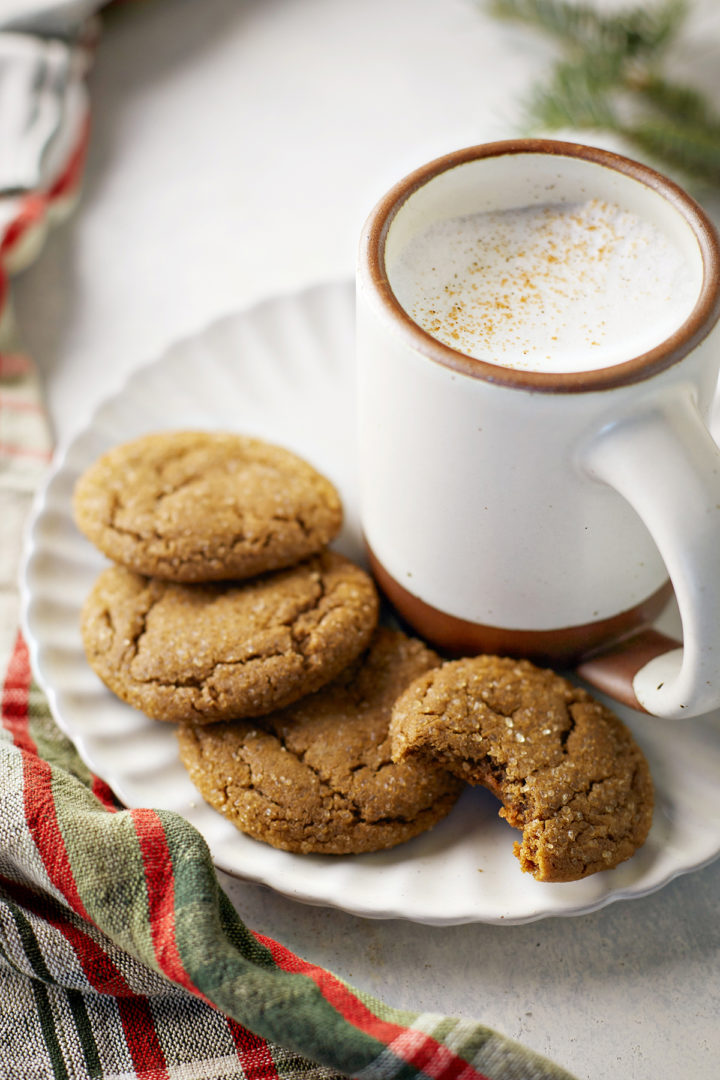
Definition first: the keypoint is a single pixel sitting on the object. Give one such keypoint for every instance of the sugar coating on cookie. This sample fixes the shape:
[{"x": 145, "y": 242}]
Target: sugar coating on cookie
[
  {"x": 204, "y": 506},
  {"x": 222, "y": 650},
  {"x": 318, "y": 776},
  {"x": 567, "y": 770}
]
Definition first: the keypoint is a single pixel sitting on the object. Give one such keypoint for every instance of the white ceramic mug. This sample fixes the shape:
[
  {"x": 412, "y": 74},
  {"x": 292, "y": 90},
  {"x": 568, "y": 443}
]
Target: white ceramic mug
[{"x": 542, "y": 514}]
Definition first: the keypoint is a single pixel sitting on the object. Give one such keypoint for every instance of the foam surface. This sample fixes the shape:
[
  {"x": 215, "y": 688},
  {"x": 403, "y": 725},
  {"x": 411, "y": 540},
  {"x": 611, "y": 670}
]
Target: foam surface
[{"x": 552, "y": 288}]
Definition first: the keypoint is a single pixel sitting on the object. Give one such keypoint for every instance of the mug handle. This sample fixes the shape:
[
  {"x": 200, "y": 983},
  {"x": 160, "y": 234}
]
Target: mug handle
[{"x": 665, "y": 462}]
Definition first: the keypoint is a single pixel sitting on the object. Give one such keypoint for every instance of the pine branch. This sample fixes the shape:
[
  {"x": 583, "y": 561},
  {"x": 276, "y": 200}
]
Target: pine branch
[
  {"x": 611, "y": 78},
  {"x": 689, "y": 148},
  {"x": 630, "y": 32},
  {"x": 681, "y": 103},
  {"x": 573, "y": 97}
]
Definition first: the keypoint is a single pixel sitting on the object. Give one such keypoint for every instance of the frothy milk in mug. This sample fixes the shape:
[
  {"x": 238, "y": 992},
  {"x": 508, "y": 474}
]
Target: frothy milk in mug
[{"x": 564, "y": 287}]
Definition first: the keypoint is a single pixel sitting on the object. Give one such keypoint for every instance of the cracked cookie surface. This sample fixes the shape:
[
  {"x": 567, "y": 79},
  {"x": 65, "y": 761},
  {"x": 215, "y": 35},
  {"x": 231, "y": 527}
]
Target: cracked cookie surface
[
  {"x": 318, "y": 776},
  {"x": 567, "y": 771},
  {"x": 204, "y": 506},
  {"x": 223, "y": 650}
]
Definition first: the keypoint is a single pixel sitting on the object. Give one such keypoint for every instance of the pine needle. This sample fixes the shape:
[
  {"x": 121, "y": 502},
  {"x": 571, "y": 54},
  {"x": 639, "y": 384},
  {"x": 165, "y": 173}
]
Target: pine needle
[
  {"x": 681, "y": 103},
  {"x": 610, "y": 77},
  {"x": 631, "y": 32},
  {"x": 573, "y": 97},
  {"x": 690, "y": 149}
]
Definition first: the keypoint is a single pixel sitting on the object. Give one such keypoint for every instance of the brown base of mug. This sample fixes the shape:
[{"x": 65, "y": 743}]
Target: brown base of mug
[{"x": 608, "y": 653}]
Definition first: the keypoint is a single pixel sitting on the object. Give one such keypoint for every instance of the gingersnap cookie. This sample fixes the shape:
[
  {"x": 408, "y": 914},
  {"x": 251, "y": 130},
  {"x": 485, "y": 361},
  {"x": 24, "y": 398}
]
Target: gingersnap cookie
[
  {"x": 222, "y": 650},
  {"x": 318, "y": 776},
  {"x": 566, "y": 769},
  {"x": 204, "y": 506}
]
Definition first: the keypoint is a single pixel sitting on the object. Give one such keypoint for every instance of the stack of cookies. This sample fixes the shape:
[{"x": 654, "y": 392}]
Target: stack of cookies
[
  {"x": 225, "y": 613},
  {"x": 301, "y": 720}
]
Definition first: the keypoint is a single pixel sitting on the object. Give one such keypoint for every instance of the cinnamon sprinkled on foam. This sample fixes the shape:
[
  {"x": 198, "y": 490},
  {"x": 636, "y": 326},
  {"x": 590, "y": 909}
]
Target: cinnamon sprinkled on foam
[{"x": 551, "y": 288}]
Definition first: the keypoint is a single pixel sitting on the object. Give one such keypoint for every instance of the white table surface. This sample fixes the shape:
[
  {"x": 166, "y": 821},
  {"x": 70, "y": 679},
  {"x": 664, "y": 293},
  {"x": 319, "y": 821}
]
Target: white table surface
[{"x": 237, "y": 146}]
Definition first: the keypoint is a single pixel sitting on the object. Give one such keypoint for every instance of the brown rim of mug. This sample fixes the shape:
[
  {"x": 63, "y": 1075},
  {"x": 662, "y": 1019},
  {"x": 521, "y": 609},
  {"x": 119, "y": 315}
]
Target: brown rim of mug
[{"x": 698, "y": 324}]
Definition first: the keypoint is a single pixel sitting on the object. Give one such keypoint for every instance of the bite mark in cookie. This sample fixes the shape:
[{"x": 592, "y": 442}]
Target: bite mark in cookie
[
  {"x": 319, "y": 776},
  {"x": 196, "y": 506},
  {"x": 567, "y": 771},
  {"x": 219, "y": 651}
]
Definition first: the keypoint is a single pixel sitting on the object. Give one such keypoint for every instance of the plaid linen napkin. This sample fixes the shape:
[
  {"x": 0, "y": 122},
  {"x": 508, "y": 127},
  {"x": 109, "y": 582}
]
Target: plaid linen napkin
[{"x": 120, "y": 955}]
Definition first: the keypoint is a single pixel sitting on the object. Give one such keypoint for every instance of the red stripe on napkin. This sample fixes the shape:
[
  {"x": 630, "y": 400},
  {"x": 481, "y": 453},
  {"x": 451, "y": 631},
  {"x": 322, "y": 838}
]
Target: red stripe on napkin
[
  {"x": 13, "y": 365},
  {"x": 334, "y": 992},
  {"x": 15, "y": 717},
  {"x": 104, "y": 977},
  {"x": 160, "y": 880},
  {"x": 71, "y": 175},
  {"x": 42, "y": 822},
  {"x": 14, "y": 450},
  {"x": 30, "y": 212},
  {"x": 415, "y": 1047},
  {"x": 253, "y": 1053},
  {"x": 37, "y": 787},
  {"x": 432, "y": 1058},
  {"x": 33, "y": 208},
  {"x": 138, "y": 1024},
  {"x": 16, "y": 695},
  {"x": 7, "y": 402},
  {"x": 104, "y": 793}
]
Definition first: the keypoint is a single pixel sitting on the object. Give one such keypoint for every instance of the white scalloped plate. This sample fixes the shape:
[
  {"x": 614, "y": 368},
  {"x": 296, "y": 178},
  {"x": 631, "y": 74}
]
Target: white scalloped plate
[{"x": 284, "y": 371}]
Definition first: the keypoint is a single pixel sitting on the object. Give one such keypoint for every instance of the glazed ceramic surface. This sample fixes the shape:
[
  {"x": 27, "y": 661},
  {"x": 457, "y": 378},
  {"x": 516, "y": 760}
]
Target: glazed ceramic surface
[{"x": 534, "y": 502}]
